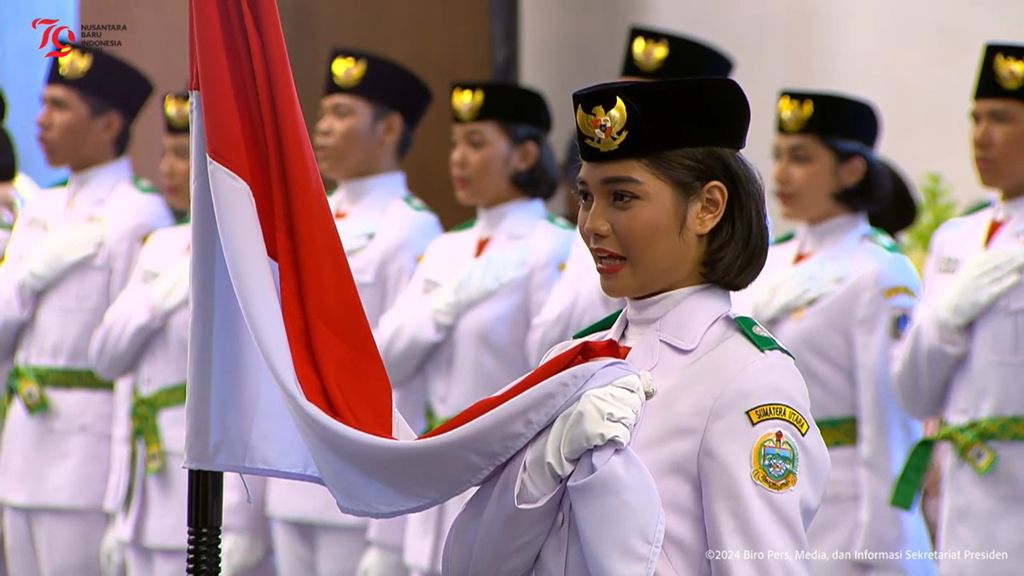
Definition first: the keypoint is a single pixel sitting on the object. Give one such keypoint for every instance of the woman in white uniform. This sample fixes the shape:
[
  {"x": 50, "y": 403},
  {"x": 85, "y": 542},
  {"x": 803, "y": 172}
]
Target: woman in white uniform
[
  {"x": 675, "y": 219},
  {"x": 143, "y": 343},
  {"x": 839, "y": 294},
  {"x": 577, "y": 300},
  {"x": 463, "y": 319}
]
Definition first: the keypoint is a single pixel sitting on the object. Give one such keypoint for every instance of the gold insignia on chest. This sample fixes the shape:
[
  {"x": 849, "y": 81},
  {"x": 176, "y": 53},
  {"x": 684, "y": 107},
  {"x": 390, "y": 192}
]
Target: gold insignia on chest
[
  {"x": 774, "y": 461},
  {"x": 348, "y": 71},
  {"x": 176, "y": 111},
  {"x": 74, "y": 65},
  {"x": 603, "y": 130},
  {"x": 793, "y": 113},
  {"x": 1009, "y": 71},
  {"x": 466, "y": 103},
  {"x": 649, "y": 54}
]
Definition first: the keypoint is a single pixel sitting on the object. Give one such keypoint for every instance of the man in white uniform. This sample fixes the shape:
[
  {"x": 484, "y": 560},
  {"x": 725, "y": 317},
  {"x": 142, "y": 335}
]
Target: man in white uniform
[
  {"x": 69, "y": 256},
  {"x": 368, "y": 113},
  {"x": 963, "y": 355}
]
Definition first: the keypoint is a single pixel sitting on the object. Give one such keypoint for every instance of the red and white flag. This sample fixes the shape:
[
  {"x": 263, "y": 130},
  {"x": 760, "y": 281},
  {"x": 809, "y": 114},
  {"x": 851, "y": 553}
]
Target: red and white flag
[{"x": 284, "y": 378}]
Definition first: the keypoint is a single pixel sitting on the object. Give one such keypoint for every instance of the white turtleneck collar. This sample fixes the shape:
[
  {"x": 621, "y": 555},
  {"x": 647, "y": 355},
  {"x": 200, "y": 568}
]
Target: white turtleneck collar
[
  {"x": 101, "y": 178},
  {"x": 812, "y": 237},
  {"x": 384, "y": 187},
  {"x": 508, "y": 213},
  {"x": 1010, "y": 209},
  {"x": 642, "y": 315}
]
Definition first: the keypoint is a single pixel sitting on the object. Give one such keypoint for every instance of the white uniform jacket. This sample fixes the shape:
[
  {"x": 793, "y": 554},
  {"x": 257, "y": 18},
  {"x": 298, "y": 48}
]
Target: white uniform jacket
[
  {"x": 738, "y": 490},
  {"x": 965, "y": 376},
  {"x": 148, "y": 352},
  {"x": 385, "y": 231},
  {"x": 60, "y": 458},
  {"x": 843, "y": 342}
]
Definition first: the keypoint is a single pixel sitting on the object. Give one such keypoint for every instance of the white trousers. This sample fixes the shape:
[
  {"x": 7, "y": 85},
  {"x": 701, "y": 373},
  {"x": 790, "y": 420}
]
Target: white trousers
[
  {"x": 53, "y": 542},
  {"x": 310, "y": 550}
]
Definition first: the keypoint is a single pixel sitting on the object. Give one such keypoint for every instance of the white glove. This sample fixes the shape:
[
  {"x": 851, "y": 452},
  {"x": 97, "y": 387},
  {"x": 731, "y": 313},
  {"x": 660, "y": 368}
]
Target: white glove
[
  {"x": 170, "y": 289},
  {"x": 240, "y": 553},
  {"x": 604, "y": 415},
  {"x": 112, "y": 557},
  {"x": 58, "y": 253},
  {"x": 794, "y": 290},
  {"x": 984, "y": 278},
  {"x": 380, "y": 561},
  {"x": 484, "y": 277}
]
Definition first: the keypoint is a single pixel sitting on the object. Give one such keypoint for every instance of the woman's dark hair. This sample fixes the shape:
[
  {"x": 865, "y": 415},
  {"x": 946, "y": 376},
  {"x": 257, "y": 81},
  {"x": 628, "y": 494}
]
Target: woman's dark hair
[
  {"x": 883, "y": 192},
  {"x": 541, "y": 179},
  {"x": 738, "y": 245},
  {"x": 871, "y": 191}
]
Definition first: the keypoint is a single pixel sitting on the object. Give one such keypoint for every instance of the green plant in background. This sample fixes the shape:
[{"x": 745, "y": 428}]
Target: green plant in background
[{"x": 935, "y": 207}]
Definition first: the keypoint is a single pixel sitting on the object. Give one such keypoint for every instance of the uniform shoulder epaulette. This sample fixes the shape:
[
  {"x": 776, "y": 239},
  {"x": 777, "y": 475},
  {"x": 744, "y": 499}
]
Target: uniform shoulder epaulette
[
  {"x": 416, "y": 204},
  {"x": 758, "y": 335},
  {"x": 976, "y": 207},
  {"x": 599, "y": 326},
  {"x": 784, "y": 238},
  {"x": 467, "y": 224},
  {"x": 560, "y": 222},
  {"x": 144, "y": 185},
  {"x": 883, "y": 239}
]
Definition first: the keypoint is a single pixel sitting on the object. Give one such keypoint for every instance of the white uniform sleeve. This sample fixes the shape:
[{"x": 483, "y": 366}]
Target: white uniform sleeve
[
  {"x": 17, "y": 303},
  {"x": 742, "y": 516},
  {"x": 126, "y": 329},
  {"x": 544, "y": 283},
  {"x": 400, "y": 262},
  {"x": 928, "y": 356},
  {"x": 407, "y": 332},
  {"x": 883, "y": 429}
]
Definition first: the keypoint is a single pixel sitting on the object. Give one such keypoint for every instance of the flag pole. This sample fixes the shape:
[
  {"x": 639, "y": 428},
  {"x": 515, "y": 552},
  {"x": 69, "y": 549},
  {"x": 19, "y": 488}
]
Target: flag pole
[{"x": 205, "y": 512}]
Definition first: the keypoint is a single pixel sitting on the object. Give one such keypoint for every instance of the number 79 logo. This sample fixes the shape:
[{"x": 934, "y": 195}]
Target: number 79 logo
[{"x": 51, "y": 34}]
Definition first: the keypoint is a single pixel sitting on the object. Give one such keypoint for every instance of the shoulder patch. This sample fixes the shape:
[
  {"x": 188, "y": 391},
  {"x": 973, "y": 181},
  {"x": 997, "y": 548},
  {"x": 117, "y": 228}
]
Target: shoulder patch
[
  {"x": 784, "y": 238},
  {"x": 774, "y": 462},
  {"x": 465, "y": 225},
  {"x": 560, "y": 222},
  {"x": 783, "y": 412},
  {"x": 758, "y": 335},
  {"x": 883, "y": 239},
  {"x": 976, "y": 207},
  {"x": 599, "y": 326},
  {"x": 416, "y": 204},
  {"x": 144, "y": 185}
]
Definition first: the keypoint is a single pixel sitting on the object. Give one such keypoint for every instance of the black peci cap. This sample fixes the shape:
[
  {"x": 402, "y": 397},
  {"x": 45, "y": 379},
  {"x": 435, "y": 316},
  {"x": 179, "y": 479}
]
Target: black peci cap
[
  {"x": 379, "y": 80},
  {"x": 500, "y": 101},
  {"x": 102, "y": 76}
]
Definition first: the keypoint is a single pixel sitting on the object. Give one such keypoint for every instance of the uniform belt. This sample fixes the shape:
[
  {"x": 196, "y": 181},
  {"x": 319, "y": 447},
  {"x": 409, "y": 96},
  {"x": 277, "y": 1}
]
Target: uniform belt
[
  {"x": 28, "y": 382},
  {"x": 144, "y": 422},
  {"x": 432, "y": 419},
  {"x": 838, "y": 432},
  {"x": 968, "y": 439}
]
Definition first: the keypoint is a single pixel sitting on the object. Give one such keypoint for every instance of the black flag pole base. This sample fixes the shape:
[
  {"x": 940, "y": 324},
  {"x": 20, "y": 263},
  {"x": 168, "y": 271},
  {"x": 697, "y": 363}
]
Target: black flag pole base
[{"x": 205, "y": 512}]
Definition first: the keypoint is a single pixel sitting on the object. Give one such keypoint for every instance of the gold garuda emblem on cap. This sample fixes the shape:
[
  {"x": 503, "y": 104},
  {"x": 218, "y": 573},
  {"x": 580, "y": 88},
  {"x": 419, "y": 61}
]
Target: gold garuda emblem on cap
[
  {"x": 794, "y": 114},
  {"x": 176, "y": 111},
  {"x": 74, "y": 64},
  {"x": 348, "y": 71},
  {"x": 603, "y": 130},
  {"x": 466, "y": 103},
  {"x": 649, "y": 54},
  {"x": 1009, "y": 71}
]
